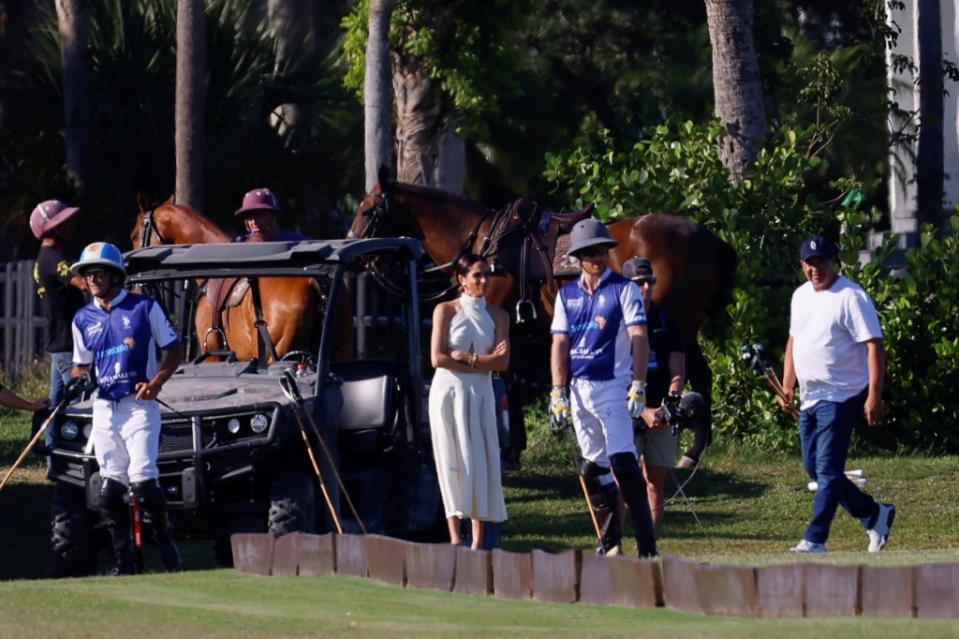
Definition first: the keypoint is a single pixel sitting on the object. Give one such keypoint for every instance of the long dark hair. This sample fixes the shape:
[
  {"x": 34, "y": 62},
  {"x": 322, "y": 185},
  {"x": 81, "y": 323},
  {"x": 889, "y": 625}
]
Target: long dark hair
[{"x": 463, "y": 265}]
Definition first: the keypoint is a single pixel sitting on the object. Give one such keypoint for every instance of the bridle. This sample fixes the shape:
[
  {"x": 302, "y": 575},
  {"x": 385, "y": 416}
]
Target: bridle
[
  {"x": 377, "y": 214},
  {"x": 150, "y": 229}
]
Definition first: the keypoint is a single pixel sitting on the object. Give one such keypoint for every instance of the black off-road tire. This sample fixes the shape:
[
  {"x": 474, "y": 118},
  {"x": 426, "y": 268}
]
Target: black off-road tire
[
  {"x": 292, "y": 501},
  {"x": 73, "y": 537}
]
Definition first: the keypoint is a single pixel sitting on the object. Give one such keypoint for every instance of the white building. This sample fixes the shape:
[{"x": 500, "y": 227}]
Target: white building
[{"x": 902, "y": 178}]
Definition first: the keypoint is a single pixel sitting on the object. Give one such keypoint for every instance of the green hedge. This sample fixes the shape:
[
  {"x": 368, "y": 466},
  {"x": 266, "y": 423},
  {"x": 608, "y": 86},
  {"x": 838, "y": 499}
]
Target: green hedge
[{"x": 676, "y": 169}]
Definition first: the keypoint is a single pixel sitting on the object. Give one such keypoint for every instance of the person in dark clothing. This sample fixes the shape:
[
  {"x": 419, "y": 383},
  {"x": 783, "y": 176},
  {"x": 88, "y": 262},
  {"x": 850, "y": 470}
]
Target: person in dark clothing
[
  {"x": 658, "y": 442},
  {"x": 61, "y": 294}
]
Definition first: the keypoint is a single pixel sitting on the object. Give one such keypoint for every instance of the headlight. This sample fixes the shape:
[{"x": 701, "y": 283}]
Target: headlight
[
  {"x": 87, "y": 429},
  {"x": 233, "y": 425},
  {"x": 69, "y": 430},
  {"x": 259, "y": 423}
]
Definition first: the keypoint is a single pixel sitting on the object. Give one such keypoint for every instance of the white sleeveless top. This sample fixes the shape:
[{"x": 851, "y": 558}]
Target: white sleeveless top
[{"x": 472, "y": 327}]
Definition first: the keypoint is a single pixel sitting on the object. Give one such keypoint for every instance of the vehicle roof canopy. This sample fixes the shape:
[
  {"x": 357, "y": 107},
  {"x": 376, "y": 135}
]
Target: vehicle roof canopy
[{"x": 305, "y": 258}]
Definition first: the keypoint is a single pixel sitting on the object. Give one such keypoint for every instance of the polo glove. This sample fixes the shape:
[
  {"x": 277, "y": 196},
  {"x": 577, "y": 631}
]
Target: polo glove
[
  {"x": 559, "y": 413},
  {"x": 636, "y": 398}
]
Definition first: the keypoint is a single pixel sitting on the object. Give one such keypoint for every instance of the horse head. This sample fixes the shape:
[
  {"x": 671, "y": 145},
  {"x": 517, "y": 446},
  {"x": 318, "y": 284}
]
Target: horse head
[
  {"x": 381, "y": 214},
  {"x": 171, "y": 223}
]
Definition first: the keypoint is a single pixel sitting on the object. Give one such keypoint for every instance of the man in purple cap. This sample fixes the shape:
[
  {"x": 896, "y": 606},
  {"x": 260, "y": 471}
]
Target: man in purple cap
[
  {"x": 259, "y": 213},
  {"x": 835, "y": 350},
  {"x": 61, "y": 294}
]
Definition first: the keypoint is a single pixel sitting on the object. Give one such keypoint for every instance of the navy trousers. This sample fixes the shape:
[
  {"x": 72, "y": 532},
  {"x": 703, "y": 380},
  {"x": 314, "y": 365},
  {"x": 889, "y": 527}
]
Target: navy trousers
[{"x": 824, "y": 431}]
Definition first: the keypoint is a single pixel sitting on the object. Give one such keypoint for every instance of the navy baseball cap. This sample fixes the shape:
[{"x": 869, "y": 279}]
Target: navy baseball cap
[
  {"x": 817, "y": 246},
  {"x": 637, "y": 268}
]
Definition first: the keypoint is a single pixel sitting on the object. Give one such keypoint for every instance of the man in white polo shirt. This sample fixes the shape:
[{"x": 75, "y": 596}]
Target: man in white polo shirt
[{"x": 835, "y": 350}]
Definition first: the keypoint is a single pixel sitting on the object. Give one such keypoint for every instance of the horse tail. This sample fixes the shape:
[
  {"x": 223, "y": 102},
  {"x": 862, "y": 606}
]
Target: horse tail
[{"x": 726, "y": 263}]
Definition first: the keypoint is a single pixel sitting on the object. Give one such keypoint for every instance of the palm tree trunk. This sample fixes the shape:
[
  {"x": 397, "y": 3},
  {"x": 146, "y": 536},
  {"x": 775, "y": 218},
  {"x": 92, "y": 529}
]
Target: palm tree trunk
[
  {"x": 291, "y": 22},
  {"x": 73, "y": 22},
  {"x": 377, "y": 93},
  {"x": 450, "y": 171},
  {"x": 736, "y": 83},
  {"x": 418, "y": 121},
  {"x": 190, "y": 102}
]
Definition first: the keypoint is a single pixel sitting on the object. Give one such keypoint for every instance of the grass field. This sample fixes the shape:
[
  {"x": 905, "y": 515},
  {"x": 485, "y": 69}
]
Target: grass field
[
  {"x": 227, "y": 604},
  {"x": 752, "y": 508}
]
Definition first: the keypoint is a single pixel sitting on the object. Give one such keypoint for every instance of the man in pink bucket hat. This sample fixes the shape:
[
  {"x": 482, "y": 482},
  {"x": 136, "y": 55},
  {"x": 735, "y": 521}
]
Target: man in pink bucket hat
[
  {"x": 259, "y": 213},
  {"x": 60, "y": 292}
]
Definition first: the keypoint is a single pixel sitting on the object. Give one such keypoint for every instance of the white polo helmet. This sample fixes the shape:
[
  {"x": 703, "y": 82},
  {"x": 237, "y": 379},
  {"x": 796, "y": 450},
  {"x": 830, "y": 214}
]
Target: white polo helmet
[{"x": 100, "y": 254}]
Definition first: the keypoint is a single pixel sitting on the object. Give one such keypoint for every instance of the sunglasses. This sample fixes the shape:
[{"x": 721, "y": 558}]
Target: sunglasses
[
  {"x": 594, "y": 251},
  {"x": 95, "y": 274},
  {"x": 645, "y": 281}
]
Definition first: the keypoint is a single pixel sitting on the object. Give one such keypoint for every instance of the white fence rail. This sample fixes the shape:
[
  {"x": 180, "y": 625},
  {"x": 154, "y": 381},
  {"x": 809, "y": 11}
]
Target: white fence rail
[{"x": 23, "y": 329}]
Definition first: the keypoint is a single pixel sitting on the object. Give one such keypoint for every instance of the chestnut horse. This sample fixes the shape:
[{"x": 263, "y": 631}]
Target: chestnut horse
[
  {"x": 289, "y": 304},
  {"x": 694, "y": 268}
]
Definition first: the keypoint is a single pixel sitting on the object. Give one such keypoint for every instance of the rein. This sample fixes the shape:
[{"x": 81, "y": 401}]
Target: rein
[{"x": 382, "y": 208}]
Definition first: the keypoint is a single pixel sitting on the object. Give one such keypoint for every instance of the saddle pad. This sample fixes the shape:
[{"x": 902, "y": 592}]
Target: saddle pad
[{"x": 563, "y": 264}]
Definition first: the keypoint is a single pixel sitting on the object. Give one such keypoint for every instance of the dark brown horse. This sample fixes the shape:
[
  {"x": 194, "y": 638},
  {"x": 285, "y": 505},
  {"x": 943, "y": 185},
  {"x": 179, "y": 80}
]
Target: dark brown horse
[
  {"x": 289, "y": 304},
  {"x": 694, "y": 268}
]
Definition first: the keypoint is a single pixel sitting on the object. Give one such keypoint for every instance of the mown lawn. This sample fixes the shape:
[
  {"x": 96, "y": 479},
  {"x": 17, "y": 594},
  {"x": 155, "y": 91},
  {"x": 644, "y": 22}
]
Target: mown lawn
[
  {"x": 224, "y": 603},
  {"x": 752, "y": 508}
]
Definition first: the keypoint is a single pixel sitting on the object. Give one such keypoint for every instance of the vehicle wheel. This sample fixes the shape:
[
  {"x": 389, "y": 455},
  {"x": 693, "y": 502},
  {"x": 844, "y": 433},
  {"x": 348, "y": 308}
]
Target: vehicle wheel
[
  {"x": 292, "y": 501},
  {"x": 72, "y": 535}
]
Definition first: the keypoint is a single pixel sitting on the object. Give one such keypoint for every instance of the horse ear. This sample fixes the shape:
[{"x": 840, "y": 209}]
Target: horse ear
[
  {"x": 383, "y": 175},
  {"x": 142, "y": 202},
  {"x": 171, "y": 199}
]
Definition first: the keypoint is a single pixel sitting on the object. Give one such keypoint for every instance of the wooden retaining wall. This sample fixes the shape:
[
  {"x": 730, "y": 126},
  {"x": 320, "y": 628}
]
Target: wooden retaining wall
[{"x": 804, "y": 589}]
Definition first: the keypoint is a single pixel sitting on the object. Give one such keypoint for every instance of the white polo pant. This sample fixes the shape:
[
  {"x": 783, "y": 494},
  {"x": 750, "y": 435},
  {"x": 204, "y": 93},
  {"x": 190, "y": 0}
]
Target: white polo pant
[
  {"x": 126, "y": 438},
  {"x": 601, "y": 419}
]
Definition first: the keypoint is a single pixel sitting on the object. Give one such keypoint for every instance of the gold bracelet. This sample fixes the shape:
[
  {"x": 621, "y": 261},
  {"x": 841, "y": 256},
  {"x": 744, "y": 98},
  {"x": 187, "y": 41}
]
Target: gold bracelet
[{"x": 473, "y": 358}]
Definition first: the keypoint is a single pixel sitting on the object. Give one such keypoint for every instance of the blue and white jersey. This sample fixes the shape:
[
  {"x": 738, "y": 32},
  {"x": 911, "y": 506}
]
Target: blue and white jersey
[
  {"x": 121, "y": 343},
  {"x": 596, "y": 325}
]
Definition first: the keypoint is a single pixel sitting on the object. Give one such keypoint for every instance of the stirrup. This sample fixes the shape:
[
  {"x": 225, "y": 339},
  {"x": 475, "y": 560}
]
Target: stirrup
[{"x": 525, "y": 311}]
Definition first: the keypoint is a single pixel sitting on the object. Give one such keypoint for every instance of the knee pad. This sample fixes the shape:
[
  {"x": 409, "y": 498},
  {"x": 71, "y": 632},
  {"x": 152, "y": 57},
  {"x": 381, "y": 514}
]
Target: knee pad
[
  {"x": 148, "y": 493},
  {"x": 628, "y": 475},
  {"x": 111, "y": 497},
  {"x": 599, "y": 484}
]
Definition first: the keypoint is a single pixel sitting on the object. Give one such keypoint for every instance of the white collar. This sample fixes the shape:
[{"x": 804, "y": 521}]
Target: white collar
[{"x": 602, "y": 277}]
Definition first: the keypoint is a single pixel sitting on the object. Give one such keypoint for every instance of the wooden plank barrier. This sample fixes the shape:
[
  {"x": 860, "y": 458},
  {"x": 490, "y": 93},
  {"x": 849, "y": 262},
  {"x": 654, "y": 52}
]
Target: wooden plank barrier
[{"x": 804, "y": 589}]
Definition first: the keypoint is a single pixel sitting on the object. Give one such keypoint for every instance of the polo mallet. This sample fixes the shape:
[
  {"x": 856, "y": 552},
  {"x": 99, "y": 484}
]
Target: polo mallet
[
  {"x": 567, "y": 433},
  {"x": 74, "y": 389},
  {"x": 755, "y": 356},
  {"x": 291, "y": 388},
  {"x": 309, "y": 452}
]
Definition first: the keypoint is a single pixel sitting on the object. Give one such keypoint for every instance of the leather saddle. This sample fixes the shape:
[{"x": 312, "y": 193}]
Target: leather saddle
[{"x": 223, "y": 293}]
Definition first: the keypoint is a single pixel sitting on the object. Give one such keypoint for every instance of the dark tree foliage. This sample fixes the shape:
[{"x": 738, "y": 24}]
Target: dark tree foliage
[{"x": 133, "y": 52}]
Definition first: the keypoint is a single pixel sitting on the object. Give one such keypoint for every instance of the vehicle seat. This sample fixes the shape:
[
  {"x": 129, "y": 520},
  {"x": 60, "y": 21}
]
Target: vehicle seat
[{"x": 368, "y": 416}]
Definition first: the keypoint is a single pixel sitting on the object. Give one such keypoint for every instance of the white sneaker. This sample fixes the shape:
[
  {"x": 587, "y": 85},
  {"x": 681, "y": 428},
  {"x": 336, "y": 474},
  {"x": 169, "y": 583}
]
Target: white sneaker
[
  {"x": 879, "y": 533},
  {"x": 806, "y": 546}
]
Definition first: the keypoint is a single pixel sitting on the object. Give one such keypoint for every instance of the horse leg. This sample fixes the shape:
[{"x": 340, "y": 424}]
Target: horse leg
[{"x": 700, "y": 377}]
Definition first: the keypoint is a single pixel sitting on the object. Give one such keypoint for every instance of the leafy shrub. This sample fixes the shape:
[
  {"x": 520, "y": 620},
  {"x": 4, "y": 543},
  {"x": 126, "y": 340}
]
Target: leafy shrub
[{"x": 676, "y": 169}]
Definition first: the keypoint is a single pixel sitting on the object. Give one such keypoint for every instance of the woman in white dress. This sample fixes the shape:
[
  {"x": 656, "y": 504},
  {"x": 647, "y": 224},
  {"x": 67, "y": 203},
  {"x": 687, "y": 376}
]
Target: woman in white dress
[{"x": 469, "y": 341}]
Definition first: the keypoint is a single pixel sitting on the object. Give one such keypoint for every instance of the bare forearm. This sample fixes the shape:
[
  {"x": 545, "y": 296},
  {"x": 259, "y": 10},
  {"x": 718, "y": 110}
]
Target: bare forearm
[
  {"x": 12, "y": 400},
  {"x": 640, "y": 357},
  {"x": 789, "y": 372},
  {"x": 170, "y": 363},
  {"x": 559, "y": 362},
  {"x": 677, "y": 370},
  {"x": 876, "y": 359},
  {"x": 444, "y": 360}
]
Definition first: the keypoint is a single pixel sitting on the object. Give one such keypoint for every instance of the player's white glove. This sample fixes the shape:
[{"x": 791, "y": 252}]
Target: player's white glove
[
  {"x": 636, "y": 398},
  {"x": 559, "y": 413}
]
